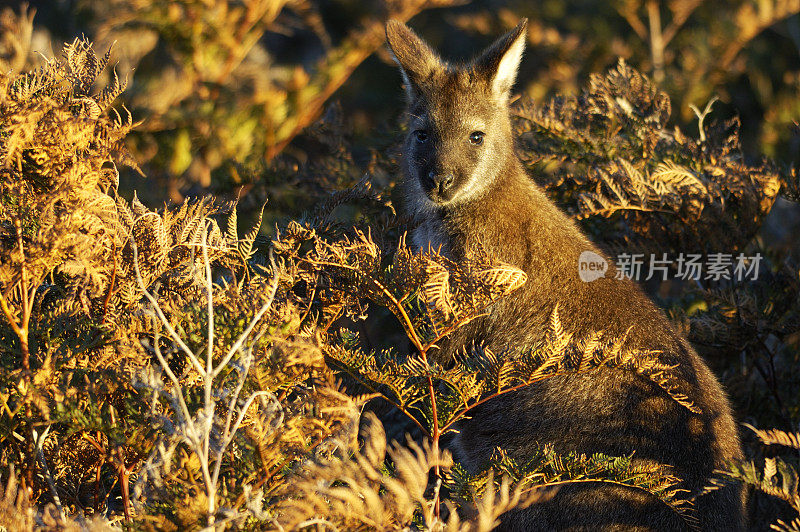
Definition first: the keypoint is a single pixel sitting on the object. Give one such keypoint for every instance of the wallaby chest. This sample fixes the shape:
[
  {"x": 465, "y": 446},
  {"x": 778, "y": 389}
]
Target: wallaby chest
[{"x": 431, "y": 234}]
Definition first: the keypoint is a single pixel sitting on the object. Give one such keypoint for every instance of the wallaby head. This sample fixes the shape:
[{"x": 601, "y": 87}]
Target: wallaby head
[{"x": 459, "y": 137}]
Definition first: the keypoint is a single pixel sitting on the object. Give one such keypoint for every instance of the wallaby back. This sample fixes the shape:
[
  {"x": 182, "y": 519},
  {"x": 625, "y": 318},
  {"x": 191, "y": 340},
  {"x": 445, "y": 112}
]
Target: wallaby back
[{"x": 464, "y": 186}]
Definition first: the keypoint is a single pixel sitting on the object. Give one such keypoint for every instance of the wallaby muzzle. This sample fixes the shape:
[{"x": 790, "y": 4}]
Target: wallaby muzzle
[{"x": 437, "y": 184}]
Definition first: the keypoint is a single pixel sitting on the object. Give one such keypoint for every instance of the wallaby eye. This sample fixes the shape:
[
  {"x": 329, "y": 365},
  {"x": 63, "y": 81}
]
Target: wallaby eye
[
  {"x": 421, "y": 135},
  {"x": 476, "y": 137}
]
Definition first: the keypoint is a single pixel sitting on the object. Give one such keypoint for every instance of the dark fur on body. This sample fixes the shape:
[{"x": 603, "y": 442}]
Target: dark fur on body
[{"x": 463, "y": 193}]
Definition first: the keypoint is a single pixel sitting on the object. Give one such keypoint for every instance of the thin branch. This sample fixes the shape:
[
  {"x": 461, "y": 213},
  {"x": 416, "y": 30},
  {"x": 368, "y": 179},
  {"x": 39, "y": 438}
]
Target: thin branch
[
  {"x": 172, "y": 377},
  {"x": 9, "y": 314},
  {"x": 39, "y": 440},
  {"x": 174, "y": 335},
  {"x": 264, "y": 308},
  {"x": 405, "y": 319},
  {"x": 608, "y": 211},
  {"x": 245, "y": 407},
  {"x": 558, "y": 483},
  {"x": 436, "y": 434},
  {"x": 113, "y": 278},
  {"x": 458, "y": 324},
  {"x": 634, "y": 21},
  {"x": 656, "y": 39},
  {"x": 228, "y": 433},
  {"x": 458, "y": 415},
  {"x": 368, "y": 385},
  {"x": 679, "y": 19},
  {"x": 208, "y": 381}
]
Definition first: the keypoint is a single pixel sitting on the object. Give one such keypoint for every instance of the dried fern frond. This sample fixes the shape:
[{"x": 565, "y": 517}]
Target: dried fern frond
[
  {"x": 783, "y": 526},
  {"x": 776, "y": 437},
  {"x": 359, "y": 493},
  {"x": 608, "y": 153},
  {"x": 778, "y": 478},
  {"x": 16, "y": 512},
  {"x": 362, "y": 492}
]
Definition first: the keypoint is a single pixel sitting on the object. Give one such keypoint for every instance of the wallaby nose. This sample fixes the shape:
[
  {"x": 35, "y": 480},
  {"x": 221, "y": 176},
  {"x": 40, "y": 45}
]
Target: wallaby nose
[{"x": 441, "y": 181}]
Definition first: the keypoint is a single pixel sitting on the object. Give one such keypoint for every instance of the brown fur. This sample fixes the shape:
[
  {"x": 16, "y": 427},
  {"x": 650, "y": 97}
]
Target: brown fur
[{"x": 462, "y": 194}]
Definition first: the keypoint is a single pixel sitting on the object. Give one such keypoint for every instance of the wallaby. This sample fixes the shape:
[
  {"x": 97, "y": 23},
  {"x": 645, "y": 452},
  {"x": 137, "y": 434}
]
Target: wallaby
[{"x": 464, "y": 186}]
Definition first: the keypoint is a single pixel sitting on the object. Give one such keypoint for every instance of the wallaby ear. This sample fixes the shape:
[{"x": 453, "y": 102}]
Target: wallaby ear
[
  {"x": 417, "y": 61},
  {"x": 500, "y": 61}
]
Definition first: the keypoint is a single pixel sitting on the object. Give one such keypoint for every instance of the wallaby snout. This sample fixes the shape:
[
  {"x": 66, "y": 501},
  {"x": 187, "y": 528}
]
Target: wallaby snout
[{"x": 438, "y": 183}]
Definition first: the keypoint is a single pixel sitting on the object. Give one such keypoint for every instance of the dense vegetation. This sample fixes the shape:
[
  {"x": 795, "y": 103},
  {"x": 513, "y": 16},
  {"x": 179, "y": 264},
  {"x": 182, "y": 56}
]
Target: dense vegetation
[{"x": 174, "y": 368}]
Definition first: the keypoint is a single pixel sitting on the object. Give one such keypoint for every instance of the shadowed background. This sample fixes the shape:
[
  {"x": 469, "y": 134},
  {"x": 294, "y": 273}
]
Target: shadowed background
[{"x": 226, "y": 89}]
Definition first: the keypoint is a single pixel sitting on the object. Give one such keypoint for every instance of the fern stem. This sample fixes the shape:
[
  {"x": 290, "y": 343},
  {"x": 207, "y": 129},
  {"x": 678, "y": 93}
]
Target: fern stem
[
  {"x": 366, "y": 384},
  {"x": 21, "y": 330},
  {"x": 113, "y": 279},
  {"x": 461, "y": 413},
  {"x": 402, "y": 315},
  {"x": 436, "y": 433},
  {"x": 684, "y": 512},
  {"x": 656, "y": 40}
]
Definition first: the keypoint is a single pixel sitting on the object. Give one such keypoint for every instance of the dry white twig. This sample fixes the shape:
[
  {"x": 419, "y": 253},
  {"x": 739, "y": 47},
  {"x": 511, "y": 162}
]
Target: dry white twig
[{"x": 197, "y": 431}]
